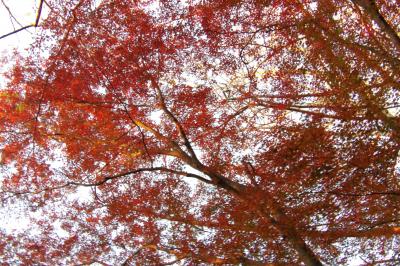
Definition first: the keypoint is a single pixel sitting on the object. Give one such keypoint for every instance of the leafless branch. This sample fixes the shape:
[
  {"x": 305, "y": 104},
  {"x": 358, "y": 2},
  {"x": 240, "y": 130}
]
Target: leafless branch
[
  {"x": 12, "y": 17},
  {"x": 39, "y": 13},
  {"x": 35, "y": 25}
]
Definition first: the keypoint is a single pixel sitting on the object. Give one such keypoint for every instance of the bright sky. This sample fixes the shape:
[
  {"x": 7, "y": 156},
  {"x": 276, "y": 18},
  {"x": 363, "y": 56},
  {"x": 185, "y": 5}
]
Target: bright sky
[{"x": 24, "y": 11}]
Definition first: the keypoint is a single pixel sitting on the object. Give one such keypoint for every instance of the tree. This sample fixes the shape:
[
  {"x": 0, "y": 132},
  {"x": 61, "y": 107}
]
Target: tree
[{"x": 210, "y": 132}]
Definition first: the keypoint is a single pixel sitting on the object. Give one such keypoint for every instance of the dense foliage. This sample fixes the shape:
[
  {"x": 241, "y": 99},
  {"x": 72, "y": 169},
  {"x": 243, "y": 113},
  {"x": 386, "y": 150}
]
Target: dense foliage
[{"x": 205, "y": 132}]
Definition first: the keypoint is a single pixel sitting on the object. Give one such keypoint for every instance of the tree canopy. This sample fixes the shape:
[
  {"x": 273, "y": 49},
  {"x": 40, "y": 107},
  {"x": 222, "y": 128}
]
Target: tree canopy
[{"x": 223, "y": 132}]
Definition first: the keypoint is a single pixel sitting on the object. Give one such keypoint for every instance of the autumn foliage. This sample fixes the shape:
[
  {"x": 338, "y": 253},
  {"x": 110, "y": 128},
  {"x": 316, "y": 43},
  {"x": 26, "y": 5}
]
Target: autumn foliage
[{"x": 205, "y": 133}]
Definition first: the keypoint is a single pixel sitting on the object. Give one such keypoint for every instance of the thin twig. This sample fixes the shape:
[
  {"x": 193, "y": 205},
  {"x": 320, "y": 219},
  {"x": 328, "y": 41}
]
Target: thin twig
[
  {"x": 11, "y": 15},
  {"x": 28, "y": 26}
]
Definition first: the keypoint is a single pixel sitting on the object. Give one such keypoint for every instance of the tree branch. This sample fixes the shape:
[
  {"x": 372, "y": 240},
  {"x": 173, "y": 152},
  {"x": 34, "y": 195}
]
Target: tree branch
[
  {"x": 39, "y": 13},
  {"x": 390, "y": 193},
  {"x": 161, "y": 169},
  {"x": 336, "y": 234},
  {"x": 108, "y": 178},
  {"x": 370, "y": 7},
  {"x": 35, "y": 25},
  {"x": 174, "y": 120}
]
